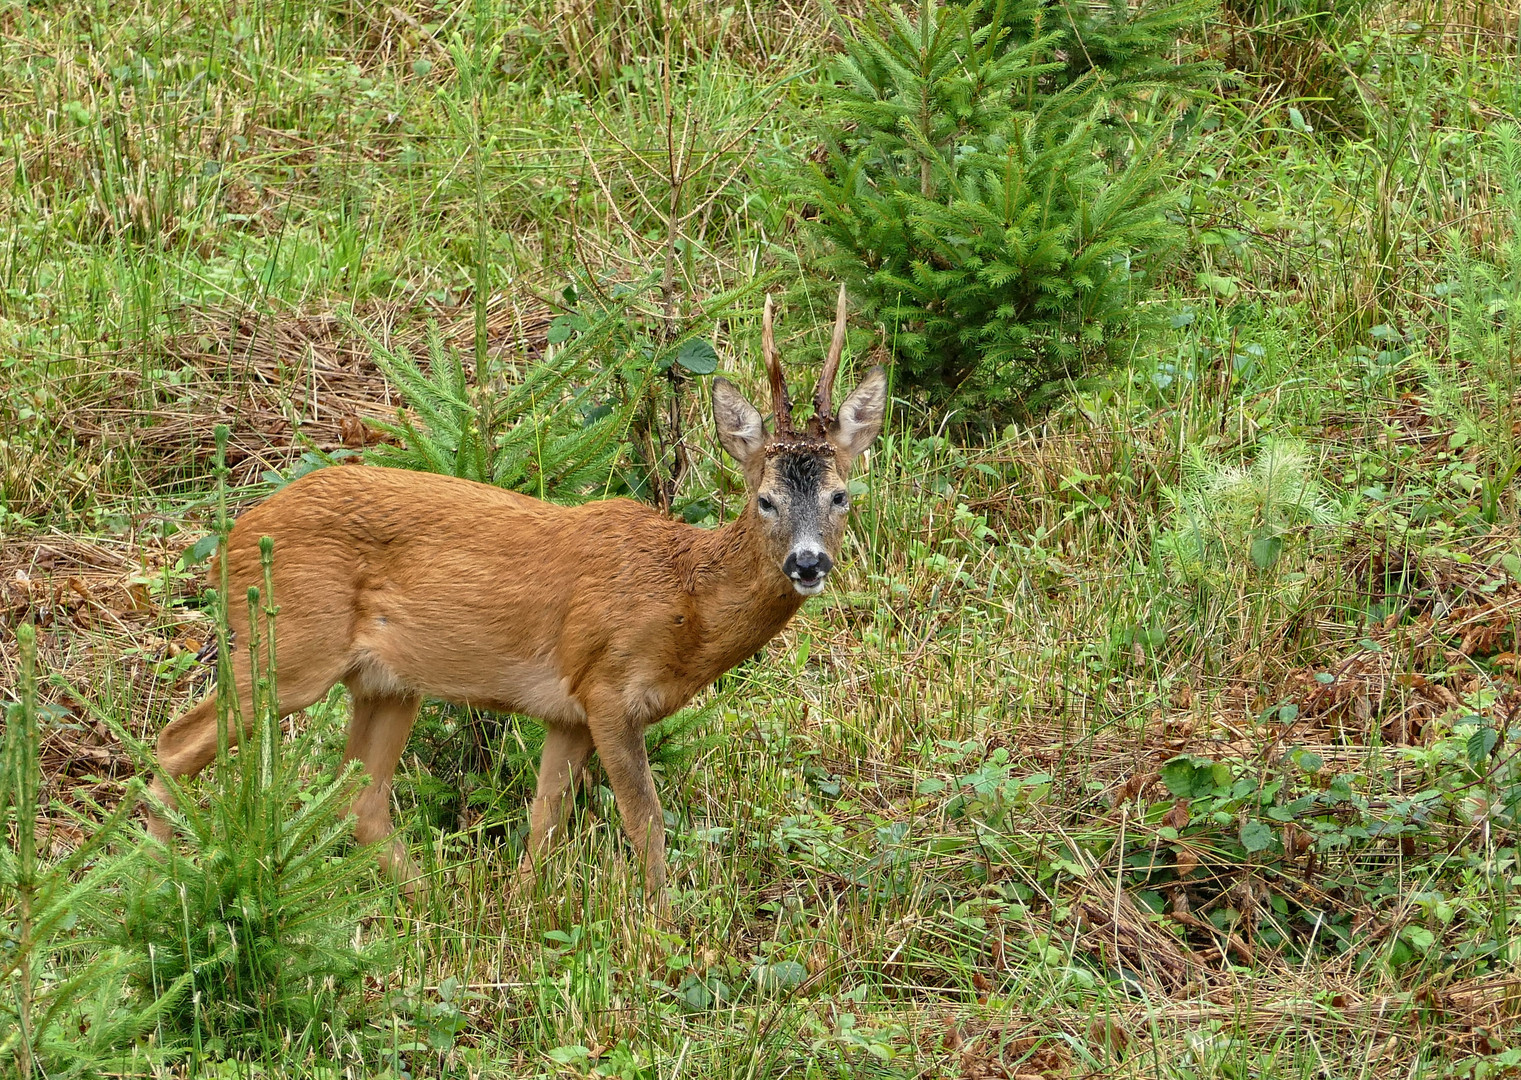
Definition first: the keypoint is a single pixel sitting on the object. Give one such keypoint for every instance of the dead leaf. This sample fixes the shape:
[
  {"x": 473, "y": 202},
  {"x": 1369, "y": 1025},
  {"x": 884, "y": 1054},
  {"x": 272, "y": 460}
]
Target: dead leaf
[
  {"x": 1109, "y": 1032},
  {"x": 1000, "y": 957},
  {"x": 356, "y": 434},
  {"x": 138, "y": 596},
  {"x": 1135, "y": 786},
  {"x": 988, "y": 1057},
  {"x": 1177, "y": 818},
  {"x": 1180, "y": 905}
]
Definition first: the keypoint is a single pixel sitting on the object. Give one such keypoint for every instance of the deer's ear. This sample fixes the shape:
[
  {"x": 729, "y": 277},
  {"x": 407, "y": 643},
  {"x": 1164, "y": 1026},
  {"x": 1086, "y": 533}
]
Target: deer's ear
[
  {"x": 740, "y": 429},
  {"x": 860, "y": 415}
]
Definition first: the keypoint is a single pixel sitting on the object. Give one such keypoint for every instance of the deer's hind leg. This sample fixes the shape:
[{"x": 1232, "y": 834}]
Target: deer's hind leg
[
  {"x": 563, "y": 764},
  {"x": 377, "y": 736},
  {"x": 188, "y": 743}
]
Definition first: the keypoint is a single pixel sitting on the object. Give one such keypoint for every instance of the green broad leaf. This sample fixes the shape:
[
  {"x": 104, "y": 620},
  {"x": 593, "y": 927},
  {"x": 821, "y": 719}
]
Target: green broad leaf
[
  {"x": 1311, "y": 763},
  {"x": 569, "y": 1055},
  {"x": 1220, "y": 284},
  {"x": 200, "y": 551},
  {"x": 1481, "y": 744},
  {"x": 1297, "y": 122},
  {"x": 1255, "y": 836},
  {"x": 697, "y": 356},
  {"x": 1418, "y": 938},
  {"x": 1265, "y": 551},
  {"x": 1512, "y": 565},
  {"x": 562, "y": 328},
  {"x": 1178, "y": 776},
  {"x": 783, "y": 975},
  {"x": 697, "y": 996}
]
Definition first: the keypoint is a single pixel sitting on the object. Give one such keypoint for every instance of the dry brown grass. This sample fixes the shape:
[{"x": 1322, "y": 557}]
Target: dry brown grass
[{"x": 285, "y": 382}]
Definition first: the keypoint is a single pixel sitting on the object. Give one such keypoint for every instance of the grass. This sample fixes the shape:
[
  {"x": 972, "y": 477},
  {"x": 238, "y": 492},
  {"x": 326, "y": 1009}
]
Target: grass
[{"x": 1027, "y": 792}]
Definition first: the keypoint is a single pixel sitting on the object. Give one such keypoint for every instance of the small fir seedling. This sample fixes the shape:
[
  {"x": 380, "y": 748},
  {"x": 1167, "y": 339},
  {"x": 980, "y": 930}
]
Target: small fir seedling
[
  {"x": 976, "y": 197},
  {"x": 257, "y": 917},
  {"x": 556, "y": 430},
  {"x": 81, "y": 1025}
]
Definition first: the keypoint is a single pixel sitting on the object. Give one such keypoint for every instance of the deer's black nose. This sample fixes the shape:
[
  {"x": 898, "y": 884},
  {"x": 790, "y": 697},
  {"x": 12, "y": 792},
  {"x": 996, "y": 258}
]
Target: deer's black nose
[{"x": 807, "y": 565}]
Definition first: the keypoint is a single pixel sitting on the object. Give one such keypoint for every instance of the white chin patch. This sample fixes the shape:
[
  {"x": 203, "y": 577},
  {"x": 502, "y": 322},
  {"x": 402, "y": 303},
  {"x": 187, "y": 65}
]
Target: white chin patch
[{"x": 810, "y": 589}]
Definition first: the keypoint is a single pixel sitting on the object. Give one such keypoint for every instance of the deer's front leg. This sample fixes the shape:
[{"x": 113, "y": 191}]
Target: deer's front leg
[{"x": 620, "y": 745}]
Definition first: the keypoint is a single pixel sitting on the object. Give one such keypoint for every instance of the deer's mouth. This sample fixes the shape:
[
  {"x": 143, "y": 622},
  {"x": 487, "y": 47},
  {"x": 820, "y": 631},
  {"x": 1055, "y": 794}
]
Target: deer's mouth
[
  {"x": 808, "y": 582},
  {"x": 808, "y": 566}
]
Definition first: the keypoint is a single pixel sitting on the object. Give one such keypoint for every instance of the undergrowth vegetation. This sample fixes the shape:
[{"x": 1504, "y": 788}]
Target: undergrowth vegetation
[{"x": 1163, "y": 723}]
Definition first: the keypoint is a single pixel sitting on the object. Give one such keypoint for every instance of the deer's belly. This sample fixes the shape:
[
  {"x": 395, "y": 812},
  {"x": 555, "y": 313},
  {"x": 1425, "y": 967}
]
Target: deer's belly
[{"x": 532, "y": 689}]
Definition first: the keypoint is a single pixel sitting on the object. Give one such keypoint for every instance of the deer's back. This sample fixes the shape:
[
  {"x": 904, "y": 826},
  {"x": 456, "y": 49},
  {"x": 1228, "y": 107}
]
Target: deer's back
[{"x": 456, "y": 589}]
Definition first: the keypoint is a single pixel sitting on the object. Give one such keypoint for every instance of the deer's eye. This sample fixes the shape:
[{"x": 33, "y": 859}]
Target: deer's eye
[
  {"x": 765, "y": 505},
  {"x": 841, "y": 500}
]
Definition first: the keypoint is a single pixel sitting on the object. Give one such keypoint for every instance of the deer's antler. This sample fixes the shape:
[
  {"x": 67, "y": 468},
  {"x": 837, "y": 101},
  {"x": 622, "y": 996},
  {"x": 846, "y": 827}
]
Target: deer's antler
[
  {"x": 823, "y": 393},
  {"x": 781, "y": 404}
]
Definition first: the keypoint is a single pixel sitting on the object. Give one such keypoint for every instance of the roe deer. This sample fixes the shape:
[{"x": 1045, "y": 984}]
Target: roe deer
[{"x": 597, "y": 620}]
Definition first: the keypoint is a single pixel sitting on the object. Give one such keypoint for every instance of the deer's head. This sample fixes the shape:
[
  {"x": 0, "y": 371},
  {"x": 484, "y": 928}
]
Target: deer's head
[{"x": 797, "y": 478}]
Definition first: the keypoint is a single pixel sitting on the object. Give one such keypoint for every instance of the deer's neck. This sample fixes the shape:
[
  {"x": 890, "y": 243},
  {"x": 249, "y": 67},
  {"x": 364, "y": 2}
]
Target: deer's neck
[{"x": 742, "y": 598}]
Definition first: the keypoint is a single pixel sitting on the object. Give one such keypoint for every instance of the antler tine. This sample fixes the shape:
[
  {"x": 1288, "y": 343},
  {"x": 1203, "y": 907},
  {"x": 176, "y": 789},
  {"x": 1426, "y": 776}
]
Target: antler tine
[
  {"x": 781, "y": 404},
  {"x": 823, "y": 393}
]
